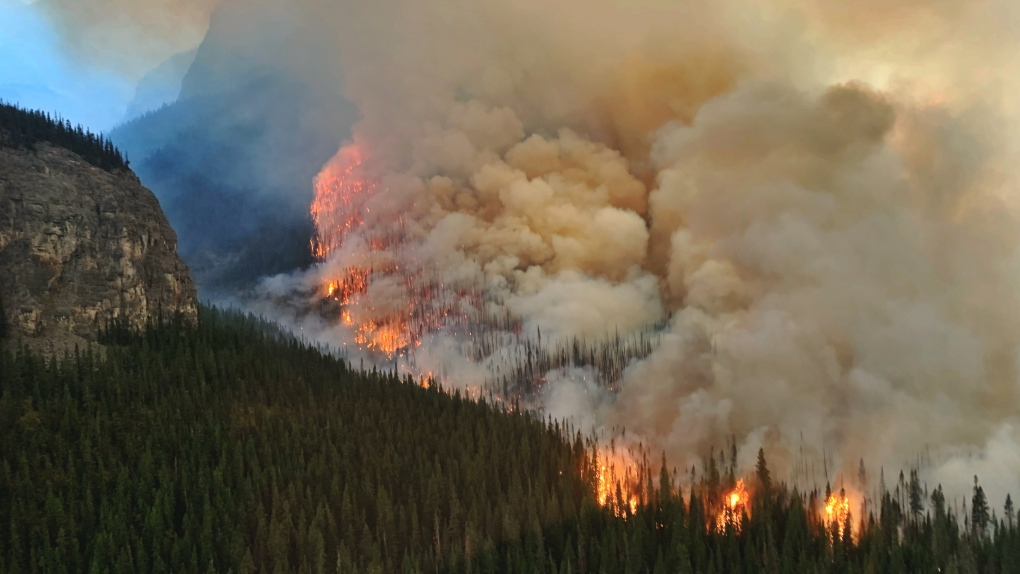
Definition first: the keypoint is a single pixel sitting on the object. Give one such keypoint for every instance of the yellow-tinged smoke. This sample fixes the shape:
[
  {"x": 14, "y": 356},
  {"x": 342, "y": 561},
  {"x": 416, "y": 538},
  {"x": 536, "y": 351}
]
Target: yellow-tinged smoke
[
  {"x": 819, "y": 197},
  {"x": 825, "y": 210}
]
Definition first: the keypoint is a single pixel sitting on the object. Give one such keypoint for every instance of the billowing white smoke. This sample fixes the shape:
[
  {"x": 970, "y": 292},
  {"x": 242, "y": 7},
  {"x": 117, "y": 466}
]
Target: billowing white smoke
[
  {"x": 825, "y": 213},
  {"x": 852, "y": 265}
]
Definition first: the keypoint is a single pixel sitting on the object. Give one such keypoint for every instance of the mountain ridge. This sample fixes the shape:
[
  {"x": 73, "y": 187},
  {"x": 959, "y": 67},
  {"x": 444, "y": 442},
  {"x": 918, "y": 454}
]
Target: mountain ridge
[{"x": 82, "y": 242}]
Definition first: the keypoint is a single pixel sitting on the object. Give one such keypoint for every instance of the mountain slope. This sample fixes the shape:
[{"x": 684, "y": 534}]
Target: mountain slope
[
  {"x": 161, "y": 86},
  {"x": 233, "y": 159},
  {"x": 231, "y": 447},
  {"x": 81, "y": 241}
]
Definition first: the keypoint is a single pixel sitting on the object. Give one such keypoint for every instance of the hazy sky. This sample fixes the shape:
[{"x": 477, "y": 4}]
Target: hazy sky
[{"x": 36, "y": 73}]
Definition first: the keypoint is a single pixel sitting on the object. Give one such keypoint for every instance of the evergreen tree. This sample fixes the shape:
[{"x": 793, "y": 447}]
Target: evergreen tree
[
  {"x": 229, "y": 446},
  {"x": 20, "y": 128},
  {"x": 1008, "y": 512},
  {"x": 915, "y": 495},
  {"x": 979, "y": 510},
  {"x": 4, "y": 329},
  {"x": 762, "y": 471}
]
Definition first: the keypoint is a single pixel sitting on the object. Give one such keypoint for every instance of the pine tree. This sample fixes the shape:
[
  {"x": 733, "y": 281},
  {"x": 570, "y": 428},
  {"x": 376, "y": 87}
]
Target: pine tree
[
  {"x": 979, "y": 510},
  {"x": 227, "y": 446},
  {"x": 762, "y": 472},
  {"x": 20, "y": 128},
  {"x": 3, "y": 320},
  {"x": 916, "y": 500},
  {"x": 1008, "y": 511}
]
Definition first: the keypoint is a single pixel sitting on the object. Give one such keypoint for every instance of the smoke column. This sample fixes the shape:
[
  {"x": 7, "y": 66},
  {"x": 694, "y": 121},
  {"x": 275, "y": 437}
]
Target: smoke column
[
  {"x": 824, "y": 214},
  {"x": 811, "y": 206}
]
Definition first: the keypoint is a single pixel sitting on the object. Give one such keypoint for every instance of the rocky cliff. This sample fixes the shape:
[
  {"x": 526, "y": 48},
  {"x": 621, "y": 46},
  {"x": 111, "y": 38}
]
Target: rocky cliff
[{"x": 79, "y": 246}]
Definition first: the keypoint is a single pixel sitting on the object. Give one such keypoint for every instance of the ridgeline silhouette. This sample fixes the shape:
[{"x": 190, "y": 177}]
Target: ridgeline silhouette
[{"x": 21, "y": 128}]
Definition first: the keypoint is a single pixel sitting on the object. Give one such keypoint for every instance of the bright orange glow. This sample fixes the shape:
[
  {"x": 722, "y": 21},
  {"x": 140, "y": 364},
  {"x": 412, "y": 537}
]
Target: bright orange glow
[
  {"x": 386, "y": 337},
  {"x": 735, "y": 505},
  {"x": 343, "y": 193},
  {"x": 616, "y": 471},
  {"x": 340, "y": 194},
  {"x": 426, "y": 380},
  {"x": 837, "y": 511}
]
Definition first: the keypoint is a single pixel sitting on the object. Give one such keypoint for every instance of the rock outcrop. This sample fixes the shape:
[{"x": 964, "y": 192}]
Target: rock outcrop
[{"x": 80, "y": 246}]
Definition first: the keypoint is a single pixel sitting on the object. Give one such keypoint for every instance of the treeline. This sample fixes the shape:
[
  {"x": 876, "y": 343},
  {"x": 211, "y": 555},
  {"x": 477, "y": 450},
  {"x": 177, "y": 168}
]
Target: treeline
[
  {"x": 231, "y": 447},
  {"x": 781, "y": 530},
  {"x": 228, "y": 448},
  {"x": 21, "y": 128}
]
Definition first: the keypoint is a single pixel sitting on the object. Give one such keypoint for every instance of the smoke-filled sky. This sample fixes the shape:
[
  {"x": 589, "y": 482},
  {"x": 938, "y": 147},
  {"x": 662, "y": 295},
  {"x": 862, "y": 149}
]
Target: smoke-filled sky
[
  {"x": 126, "y": 36},
  {"x": 83, "y": 58},
  {"x": 819, "y": 198}
]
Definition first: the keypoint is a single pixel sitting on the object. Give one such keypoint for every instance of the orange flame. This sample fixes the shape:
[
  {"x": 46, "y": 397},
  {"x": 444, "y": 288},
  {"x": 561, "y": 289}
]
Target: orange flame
[
  {"x": 340, "y": 194},
  {"x": 388, "y": 337},
  {"x": 735, "y": 505},
  {"x": 616, "y": 471},
  {"x": 343, "y": 191},
  {"x": 837, "y": 512}
]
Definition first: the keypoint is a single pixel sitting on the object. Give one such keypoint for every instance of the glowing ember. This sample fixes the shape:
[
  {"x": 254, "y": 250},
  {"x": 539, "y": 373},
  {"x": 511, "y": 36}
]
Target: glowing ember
[
  {"x": 386, "y": 337},
  {"x": 837, "y": 512},
  {"x": 735, "y": 505}
]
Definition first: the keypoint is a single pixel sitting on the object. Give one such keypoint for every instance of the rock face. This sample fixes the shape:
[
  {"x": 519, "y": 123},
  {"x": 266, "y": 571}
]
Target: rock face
[{"x": 80, "y": 246}]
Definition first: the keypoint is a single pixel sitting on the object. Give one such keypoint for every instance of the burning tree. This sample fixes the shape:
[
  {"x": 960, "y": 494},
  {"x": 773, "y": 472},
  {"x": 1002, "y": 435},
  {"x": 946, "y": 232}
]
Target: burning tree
[
  {"x": 734, "y": 508},
  {"x": 391, "y": 300},
  {"x": 837, "y": 517}
]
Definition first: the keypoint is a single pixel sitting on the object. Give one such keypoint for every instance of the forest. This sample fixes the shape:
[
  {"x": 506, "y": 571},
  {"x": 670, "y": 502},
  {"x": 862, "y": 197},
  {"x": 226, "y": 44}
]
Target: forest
[
  {"x": 231, "y": 446},
  {"x": 23, "y": 129},
  {"x": 3, "y": 320}
]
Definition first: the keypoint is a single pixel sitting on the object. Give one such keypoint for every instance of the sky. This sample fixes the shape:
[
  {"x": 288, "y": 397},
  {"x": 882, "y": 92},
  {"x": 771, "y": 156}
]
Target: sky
[{"x": 36, "y": 73}]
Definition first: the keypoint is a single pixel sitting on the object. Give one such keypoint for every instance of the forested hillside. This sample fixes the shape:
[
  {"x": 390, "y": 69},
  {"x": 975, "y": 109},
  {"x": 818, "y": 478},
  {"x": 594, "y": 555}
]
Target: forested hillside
[
  {"x": 230, "y": 447},
  {"x": 21, "y": 128}
]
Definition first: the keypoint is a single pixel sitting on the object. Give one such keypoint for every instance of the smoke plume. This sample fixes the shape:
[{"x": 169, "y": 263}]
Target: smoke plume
[{"x": 816, "y": 219}]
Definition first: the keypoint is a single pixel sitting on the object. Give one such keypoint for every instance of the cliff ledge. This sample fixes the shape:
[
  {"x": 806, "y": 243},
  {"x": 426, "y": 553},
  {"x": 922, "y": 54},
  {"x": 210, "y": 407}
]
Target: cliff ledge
[{"x": 80, "y": 246}]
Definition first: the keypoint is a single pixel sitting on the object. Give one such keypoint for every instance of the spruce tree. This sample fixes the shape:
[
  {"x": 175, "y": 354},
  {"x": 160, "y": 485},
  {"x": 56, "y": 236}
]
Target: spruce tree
[
  {"x": 762, "y": 471},
  {"x": 1008, "y": 511},
  {"x": 4, "y": 329},
  {"x": 979, "y": 511}
]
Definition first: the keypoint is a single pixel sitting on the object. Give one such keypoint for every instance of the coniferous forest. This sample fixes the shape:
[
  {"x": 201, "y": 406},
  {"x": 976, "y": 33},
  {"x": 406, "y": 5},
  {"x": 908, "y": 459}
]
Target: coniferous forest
[
  {"x": 20, "y": 128},
  {"x": 231, "y": 447},
  {"x": 3, "y": 320}
]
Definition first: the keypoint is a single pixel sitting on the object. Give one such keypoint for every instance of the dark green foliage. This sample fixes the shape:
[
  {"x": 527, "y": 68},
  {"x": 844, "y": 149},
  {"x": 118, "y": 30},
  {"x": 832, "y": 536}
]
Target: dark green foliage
[
  {"x": 21, "y": 128},
  {"x": 762, "y": 471},
  {"x": 979, "y": 516},
  {"x": 3, "y": 320},
  {"x": 231, "y": 447}
]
